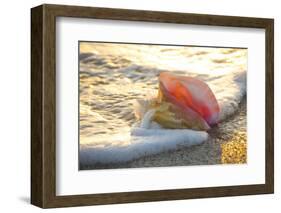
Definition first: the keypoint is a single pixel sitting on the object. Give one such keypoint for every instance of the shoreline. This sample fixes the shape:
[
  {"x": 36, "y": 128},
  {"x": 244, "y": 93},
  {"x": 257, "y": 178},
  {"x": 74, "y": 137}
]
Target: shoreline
[{"x": 225, "y": 145}]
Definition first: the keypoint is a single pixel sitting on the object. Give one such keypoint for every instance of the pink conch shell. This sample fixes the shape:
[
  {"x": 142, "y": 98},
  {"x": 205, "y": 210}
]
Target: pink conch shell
[{"x": 194, "y": 97}]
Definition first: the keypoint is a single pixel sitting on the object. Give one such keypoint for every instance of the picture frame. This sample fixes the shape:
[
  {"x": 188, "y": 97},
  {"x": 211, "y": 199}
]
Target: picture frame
[{"x": 44, "y": 114}]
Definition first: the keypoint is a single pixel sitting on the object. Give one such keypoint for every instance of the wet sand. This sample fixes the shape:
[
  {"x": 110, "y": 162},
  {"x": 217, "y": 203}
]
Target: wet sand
[{"x": 226, "y": 145}]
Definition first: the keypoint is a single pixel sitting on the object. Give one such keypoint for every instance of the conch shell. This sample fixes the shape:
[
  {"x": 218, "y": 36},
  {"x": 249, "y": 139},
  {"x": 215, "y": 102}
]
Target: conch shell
[{"x": 185, "y": 102}]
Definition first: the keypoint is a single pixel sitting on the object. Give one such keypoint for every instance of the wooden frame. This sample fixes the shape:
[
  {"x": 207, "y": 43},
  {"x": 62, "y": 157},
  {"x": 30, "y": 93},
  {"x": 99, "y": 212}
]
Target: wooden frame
[{"x": 43, "y": 106}]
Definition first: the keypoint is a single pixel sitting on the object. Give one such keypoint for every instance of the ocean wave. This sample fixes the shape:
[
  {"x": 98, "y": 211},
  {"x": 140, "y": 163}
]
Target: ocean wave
[{"x": 109, "y": 131}]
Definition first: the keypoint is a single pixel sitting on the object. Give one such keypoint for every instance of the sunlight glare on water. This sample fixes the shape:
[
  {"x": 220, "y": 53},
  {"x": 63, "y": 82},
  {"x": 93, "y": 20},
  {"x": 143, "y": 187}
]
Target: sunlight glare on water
[{"x": 113, "y": 76}]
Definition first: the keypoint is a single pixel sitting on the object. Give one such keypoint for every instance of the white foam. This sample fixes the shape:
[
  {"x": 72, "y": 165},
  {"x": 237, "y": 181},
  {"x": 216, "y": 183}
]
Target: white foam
[
  {"x": 145, "y": 142},
  {"x": 229, "y": 90},
  {"x": 147, "y": 138}
]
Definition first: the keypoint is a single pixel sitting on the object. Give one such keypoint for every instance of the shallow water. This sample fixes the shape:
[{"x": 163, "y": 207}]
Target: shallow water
[
  {"x": 114, "y": 76},
  {"x": 230, "y": 134}
]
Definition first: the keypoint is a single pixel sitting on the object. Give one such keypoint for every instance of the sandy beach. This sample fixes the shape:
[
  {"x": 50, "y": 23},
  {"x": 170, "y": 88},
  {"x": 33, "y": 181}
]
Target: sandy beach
[
  {"x": 113, "y": 77},
  {"x": 225, "y": 145}
]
